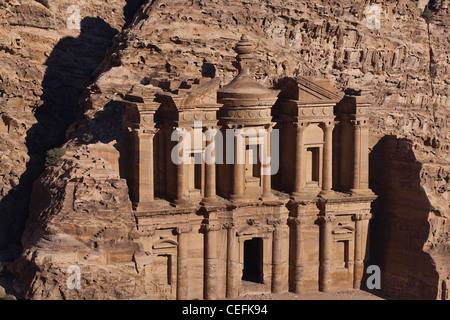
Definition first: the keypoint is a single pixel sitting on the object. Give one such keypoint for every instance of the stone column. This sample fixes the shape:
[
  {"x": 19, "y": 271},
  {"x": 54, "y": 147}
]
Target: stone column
[
  {"x": 232, "y": 261},
  {"x": 326, "y": 248},
  {"x": 364, "y": 162},
  {"x": 210, "y": 168},
  {"x": 144, "y": 163},
  {"x": 299, "y": 183},
  {"x": 267, "y": 176},
  {"x": 277, "y": 271},
  {"x": 182, "y": 171},
  {"x": 356, "y": 155},
  {"x": 361, "y": 230},
  {"x": 182, "y": 257},
  {"x": 162, "y": 173},
  {"x": 210, "y": 276},
  {"x": 327, "y": 176},
  {"x": 238, "y": 167},
  {"x": 297, "y": 225}
]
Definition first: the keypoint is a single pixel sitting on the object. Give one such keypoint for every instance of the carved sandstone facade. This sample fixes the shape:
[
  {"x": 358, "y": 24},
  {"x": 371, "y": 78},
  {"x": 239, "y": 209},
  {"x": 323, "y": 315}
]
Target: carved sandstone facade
[{"x": 213, "y": 228}]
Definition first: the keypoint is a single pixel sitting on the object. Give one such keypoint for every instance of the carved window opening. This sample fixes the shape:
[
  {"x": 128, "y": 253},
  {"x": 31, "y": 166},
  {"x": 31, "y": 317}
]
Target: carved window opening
[
  {"x": 313, "y": 165},
  {"x": 253, "y": 260}
]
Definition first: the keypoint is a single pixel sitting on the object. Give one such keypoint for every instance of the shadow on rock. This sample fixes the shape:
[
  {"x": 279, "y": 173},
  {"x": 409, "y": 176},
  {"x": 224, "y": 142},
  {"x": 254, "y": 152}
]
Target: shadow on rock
[{"x": 69, "y": 69}]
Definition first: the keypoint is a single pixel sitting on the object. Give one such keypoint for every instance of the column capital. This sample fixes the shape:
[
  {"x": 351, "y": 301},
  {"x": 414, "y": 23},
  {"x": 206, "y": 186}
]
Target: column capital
[
  {"x": 233, "y": 126},
  {"x": 210, "y": 129},
  {"x": 328, "y": 124},
  {"x": 270, "y": 125},
  {"x": 359, "y": 122},
  {"x": 146, "y": 231},
  {"x": 295, "y": 221},
  {"x": 275, "y": 222},
  {"x": 362, "y": 216},
  {"x": 179, "y": 129},
  {"x": 142, "y": 131},
  {"x": 211, "y": 227},
  {"x": 183, "y": 229},
  {"x": 327, "y": 218},
  {"x": 300, "y": 125},
  {"x": 228, "y": 225}
]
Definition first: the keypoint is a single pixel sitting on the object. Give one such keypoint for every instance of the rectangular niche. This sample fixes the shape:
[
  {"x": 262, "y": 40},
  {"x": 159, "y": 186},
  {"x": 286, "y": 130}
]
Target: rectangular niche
[
  {"x": 313, "y": 165},
  {"x": 163, "y": 269},
  {"x": 342, "y": 254}
]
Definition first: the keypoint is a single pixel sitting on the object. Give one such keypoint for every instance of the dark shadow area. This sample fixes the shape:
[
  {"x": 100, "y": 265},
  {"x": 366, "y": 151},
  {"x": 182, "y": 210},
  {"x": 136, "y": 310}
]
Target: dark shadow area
[
  {"x": 208, "y": 70},
  {"x": 399, "y": 228},
  {"x": 130, "y": 10},
  {"x": 106, "y": 126},
  {"x": 69, "y": 68}
]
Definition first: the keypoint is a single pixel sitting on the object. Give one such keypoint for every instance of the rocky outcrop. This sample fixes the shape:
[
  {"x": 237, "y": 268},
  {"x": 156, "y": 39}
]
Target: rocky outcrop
[
  {"x": 80, "y": 217},
  {"x": 403, "y": 66}
]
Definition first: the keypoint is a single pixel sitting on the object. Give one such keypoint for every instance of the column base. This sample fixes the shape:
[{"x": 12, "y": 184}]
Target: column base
[
  {"x": 211, "y": 202},
  {"x": 237, "y": 198},
  {"x": 327, "y": 193},
  {"x": 182, "y": 203},
  {"x": 299, "y": 280},
  {"x": 325, "y": 276},
  {"x": 358, "y": 273},
  {"x": 268, "y": 196},
  {"x": 361, "y": 192},
  {"x": 145, "y": 206},
  {"x": 300, "y": 195}
]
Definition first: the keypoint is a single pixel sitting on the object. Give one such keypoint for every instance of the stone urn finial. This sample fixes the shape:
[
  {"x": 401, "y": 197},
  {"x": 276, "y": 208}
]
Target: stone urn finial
[
  {"x": 244, "y": 50},
  {"x": 244, "y": 91},
  {"x": 244, "y": 46}
]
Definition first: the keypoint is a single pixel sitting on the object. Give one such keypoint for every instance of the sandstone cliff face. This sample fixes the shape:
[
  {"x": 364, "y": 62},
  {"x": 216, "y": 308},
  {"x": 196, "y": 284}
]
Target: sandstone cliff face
[
  {"x": 409, "y": 233},
  {"x": 46, "y": 62},
  {"x": 403, "y": 66}
]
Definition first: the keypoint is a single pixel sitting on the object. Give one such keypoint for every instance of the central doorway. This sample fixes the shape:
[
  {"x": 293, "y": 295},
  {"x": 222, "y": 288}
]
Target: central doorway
[{"x": 253, "y": 260}]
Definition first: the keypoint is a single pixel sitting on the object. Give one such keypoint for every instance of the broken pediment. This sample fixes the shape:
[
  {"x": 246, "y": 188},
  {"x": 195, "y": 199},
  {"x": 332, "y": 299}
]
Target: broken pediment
[
  {"x": 191, "y": 94},
  {"x": 253, "y": 229},
  {"x": 343, "y": 230},
  {"x": 165, "y": 244},
  {"x": 307, "y": 90}
]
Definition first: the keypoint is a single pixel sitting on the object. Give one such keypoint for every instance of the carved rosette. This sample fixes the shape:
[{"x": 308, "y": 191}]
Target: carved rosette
[
  {"x": 246, "y": 116},
  {"x": 189, "y": 117}
]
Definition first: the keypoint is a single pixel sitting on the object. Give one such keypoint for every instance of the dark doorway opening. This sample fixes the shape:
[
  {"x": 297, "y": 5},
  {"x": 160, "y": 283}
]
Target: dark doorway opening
[{"x": 253, "y": 262}]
